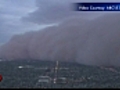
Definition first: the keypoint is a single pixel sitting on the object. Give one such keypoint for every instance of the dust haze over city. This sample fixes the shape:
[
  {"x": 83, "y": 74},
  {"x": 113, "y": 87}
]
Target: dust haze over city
[
  {"x": 49, "y": 30},
  {"x": 89, "y": 38}
]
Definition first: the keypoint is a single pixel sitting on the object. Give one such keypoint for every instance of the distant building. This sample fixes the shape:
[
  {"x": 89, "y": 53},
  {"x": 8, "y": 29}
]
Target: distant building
[
  {"x": 44, "y": 79},
  {"x": 61, "y": 80},
  {"x": 20, "y": 67}
]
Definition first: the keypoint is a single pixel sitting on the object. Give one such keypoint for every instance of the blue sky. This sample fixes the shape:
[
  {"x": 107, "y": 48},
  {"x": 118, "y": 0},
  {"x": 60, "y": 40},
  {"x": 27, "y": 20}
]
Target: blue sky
[
  {"x": 20, "y": 16},
  {"x": 11, "y": 12}
]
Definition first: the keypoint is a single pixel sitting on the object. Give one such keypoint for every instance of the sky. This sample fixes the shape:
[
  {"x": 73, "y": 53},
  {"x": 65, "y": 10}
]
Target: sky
[
  {"x": 20, "y": 16},
  {"x": 91, "y": 38}
]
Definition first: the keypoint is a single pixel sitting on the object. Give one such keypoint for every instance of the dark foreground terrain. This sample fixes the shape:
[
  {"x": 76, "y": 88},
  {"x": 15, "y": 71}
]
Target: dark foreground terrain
[{"x": 27, "y": 74}]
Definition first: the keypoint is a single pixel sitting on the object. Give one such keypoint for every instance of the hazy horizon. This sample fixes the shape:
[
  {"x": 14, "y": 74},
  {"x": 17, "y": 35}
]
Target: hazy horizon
[{"x": 50, "y": 30}]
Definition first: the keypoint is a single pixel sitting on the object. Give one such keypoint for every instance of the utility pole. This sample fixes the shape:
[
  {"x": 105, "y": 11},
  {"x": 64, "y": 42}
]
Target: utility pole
[{"x": 56, "y": 72}]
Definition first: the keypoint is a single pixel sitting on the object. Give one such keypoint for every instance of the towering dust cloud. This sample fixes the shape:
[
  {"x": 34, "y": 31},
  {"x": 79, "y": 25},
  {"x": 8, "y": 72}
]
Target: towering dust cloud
[{"x": 90, "y": 42}]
